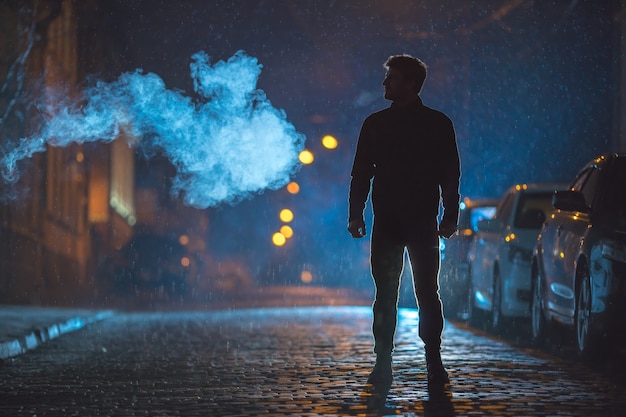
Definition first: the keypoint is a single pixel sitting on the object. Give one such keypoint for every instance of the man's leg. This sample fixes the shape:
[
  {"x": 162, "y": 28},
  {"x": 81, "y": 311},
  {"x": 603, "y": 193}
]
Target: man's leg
[
  {"x": 425, "y": 267},
  {"x": 387, "y": 260}
]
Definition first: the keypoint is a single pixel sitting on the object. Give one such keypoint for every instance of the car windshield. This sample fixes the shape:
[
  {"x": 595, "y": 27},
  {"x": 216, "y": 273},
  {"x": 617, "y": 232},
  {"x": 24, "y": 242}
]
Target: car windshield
[
  {"x": 615, "y": 196},
  {"x": 481, "y": 213},
  {"x": 533, "y": 209}
]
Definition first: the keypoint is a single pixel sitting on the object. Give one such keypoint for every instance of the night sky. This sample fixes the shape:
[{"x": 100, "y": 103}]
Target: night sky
[{"x": 530, "y": 86}]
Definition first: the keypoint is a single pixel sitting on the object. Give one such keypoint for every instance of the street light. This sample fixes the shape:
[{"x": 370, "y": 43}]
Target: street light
[
  {"x": 306, "y": 157},
  {"x": 279, "y": 239},
  {"x": 293, "y": 187},
  {"x": 330, "y": 142},
  {"x": 286, "y": 215}
]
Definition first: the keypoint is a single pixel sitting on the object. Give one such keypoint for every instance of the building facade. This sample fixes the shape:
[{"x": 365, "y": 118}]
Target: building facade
[{"x": 71, "y": 205}]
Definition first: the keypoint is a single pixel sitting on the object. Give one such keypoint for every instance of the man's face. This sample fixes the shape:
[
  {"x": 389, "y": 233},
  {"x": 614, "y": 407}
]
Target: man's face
[{"x": 398, "y": 87}]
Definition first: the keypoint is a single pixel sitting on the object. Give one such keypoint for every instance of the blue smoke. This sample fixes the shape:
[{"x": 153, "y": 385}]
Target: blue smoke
[{"x": 227, "y": 145}]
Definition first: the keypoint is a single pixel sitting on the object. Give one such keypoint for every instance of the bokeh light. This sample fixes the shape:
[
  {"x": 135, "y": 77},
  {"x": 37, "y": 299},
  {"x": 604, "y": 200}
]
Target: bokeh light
[
  {"x": 183, "y": 240},
  {"x": 329, "y": 142},
  {"x": 278, "y": 239},
  {"x": 293, "y": 187},
  {"x": 306, "y": 157},
  {"x": 286, "y": 215},
  {"x": 306, "y": 277},
  {"x": 286, "y": 231}
]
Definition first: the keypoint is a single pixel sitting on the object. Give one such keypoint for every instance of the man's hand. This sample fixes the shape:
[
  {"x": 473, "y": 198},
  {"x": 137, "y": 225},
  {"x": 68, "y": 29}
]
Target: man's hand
[
  {"x": 357, "y": 228},
  {"x": 447, "y": 229}
]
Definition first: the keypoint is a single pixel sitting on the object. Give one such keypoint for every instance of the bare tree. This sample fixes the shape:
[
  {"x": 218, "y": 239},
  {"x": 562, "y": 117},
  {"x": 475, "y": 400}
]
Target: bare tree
[{"x": 23, "y": 25}]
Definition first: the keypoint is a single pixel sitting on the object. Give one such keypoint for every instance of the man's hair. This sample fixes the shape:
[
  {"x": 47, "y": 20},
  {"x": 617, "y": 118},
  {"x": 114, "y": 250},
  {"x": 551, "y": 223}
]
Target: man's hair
[{"x": 412, "y": 68}]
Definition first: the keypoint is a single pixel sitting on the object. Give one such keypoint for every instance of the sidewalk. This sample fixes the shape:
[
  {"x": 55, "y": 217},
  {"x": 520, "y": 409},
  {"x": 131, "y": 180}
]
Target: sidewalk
[{"x": 23, "y": 328}]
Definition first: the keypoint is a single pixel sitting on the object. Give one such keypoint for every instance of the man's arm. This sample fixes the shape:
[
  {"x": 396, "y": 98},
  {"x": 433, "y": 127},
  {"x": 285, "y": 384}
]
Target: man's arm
[
  {"x": 450, "y": 181},
  {"x": 362, "y": 173}
]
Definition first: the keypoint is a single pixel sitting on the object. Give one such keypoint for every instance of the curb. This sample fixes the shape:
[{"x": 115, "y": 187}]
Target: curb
[{"x": 41, "y": 335}]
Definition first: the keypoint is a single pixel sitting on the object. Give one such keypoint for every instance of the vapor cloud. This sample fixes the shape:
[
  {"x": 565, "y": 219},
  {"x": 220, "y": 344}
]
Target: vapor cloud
[{"x": 226, "y": 145}]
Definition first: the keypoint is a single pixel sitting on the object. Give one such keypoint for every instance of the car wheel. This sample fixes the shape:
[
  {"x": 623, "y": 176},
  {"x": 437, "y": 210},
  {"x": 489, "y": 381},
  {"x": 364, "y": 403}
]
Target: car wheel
[
  {"x": 583, "y": 316},
  {"x": 496, "y": 310},
  {"x": 538, "y": 320}
]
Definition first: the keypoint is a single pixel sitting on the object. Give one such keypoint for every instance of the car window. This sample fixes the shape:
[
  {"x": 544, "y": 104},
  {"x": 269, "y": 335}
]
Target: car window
[
  {"x": 481, "y": 213},
  {"x": 532, "y": 210},
  {"x": 578, "y": 182},
  {"x": 615, "y": 197},
  {"x": 590, "y": 185},
  {"x": 505, "y": 209}
]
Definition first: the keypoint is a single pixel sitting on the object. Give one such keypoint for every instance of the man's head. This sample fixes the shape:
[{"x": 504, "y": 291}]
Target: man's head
[{"x": 404, "y": 79}]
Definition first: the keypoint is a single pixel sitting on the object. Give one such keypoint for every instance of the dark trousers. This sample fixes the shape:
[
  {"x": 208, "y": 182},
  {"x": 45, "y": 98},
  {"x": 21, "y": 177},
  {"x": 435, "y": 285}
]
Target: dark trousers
[{"x": 387, "y": 261}]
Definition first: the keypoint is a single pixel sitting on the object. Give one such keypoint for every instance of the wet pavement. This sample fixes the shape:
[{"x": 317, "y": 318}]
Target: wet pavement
[
  {"x": 310, "y": 361},
  {"x": 23, "y": 328}
]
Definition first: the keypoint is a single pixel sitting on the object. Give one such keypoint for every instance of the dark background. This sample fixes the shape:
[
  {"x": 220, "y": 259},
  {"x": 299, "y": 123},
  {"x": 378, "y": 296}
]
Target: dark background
[{"x": 530, "y": 85}]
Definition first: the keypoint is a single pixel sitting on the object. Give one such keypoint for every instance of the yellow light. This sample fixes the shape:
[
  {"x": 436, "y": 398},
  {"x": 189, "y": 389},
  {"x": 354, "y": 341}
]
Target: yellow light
[
  {"x": 80, "y": 157},
  {"x": 184, "y": 261},
  {"x": 293, "y": 187},
  {"x": 306, "y": 277},
  {"x": 286, "y": 231},
  {"x": 306, "y": 157},
  {"x": 183, "y": 240},
  {"x": 278, "y": 239},
  {"x": 329, "y": 142},
  {"x": 286, "y": 215},
  {"x": 510, "y": 237}
]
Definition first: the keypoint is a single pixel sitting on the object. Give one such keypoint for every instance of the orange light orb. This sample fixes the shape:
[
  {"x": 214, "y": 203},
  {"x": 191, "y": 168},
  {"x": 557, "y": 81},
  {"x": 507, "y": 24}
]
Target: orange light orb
[
  {"x": 293, "y": 187},
  {"x": 286, "y": 215},
  {"x": 279, "y": 239},
  {"x": 286, "y": 231},
  {"x": 306, "y": 277},
  {"x": 330, "y": 142},
  {"x": 306, "y": 157}
]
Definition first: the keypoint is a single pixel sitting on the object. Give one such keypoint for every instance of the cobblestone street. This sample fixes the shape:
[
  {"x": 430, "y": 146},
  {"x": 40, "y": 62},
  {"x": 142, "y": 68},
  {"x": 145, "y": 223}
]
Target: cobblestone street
[{"x": 287, "y": 362}]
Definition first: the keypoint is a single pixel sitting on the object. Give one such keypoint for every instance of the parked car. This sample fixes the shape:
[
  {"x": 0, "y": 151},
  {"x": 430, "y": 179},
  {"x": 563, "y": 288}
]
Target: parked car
[
  {"x": 501, "y": 251},
  {"x": 150, "y": 261},
  {"x": 454, "y": 272},
  {"x": 579, "y": 261}
]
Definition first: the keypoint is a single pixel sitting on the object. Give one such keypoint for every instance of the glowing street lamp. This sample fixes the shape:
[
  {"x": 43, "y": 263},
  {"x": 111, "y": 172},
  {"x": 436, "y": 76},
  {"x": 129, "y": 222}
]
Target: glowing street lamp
[
  {"x": 293, "y": 187},
  {"x": 286, "y": 215},
  {"x": 306, "y": 157},
  {"x": 279, "y": 239},
  {"x": 286, "y": 231},
  {"x": 330, "y": 142},
  {"x": 306, "y": 277}
]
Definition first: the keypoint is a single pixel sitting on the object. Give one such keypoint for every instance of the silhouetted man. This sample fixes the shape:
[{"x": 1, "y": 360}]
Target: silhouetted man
[{"x": 410, "y": 152}]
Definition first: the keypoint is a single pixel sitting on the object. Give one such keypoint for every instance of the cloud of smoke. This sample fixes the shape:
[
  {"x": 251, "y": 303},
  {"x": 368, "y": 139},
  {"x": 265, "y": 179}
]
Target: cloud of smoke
[{"x": 226, "y": 145}]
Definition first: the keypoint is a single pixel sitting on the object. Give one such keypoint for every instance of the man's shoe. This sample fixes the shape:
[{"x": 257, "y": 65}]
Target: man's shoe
[
  {"x": 437, "y": 375},
  {"x": 382, "y": 374},
  {"x": 436, "y": 372}
]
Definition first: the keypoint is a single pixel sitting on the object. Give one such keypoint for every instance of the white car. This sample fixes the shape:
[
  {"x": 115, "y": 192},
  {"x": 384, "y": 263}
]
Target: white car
[{"x": 501, "y": 252}]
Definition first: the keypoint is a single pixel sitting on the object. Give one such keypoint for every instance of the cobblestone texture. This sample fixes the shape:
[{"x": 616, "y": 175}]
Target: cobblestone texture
[{"x": 287, "y": 362}]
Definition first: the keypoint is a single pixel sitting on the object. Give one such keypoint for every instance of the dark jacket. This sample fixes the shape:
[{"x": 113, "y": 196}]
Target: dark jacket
[{"x": 411, "y": 153}]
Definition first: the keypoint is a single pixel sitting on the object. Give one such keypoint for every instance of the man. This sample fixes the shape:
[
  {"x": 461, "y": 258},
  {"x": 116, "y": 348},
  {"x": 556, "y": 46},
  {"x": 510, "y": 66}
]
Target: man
[{"x": 410, "y": 152}]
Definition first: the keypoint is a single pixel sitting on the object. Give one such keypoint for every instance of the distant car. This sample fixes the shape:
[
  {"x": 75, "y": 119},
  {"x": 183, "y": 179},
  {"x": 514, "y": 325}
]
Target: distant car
[
  {"x": 454, "y": 273},
  {"x": 579, "y": 262},
  {"x": 151, "y": 261},
  {"x": 501, "y": 251}
]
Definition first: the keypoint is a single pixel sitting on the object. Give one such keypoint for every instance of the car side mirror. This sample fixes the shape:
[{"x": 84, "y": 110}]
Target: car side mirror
[{"x": 569, "y": 200}]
